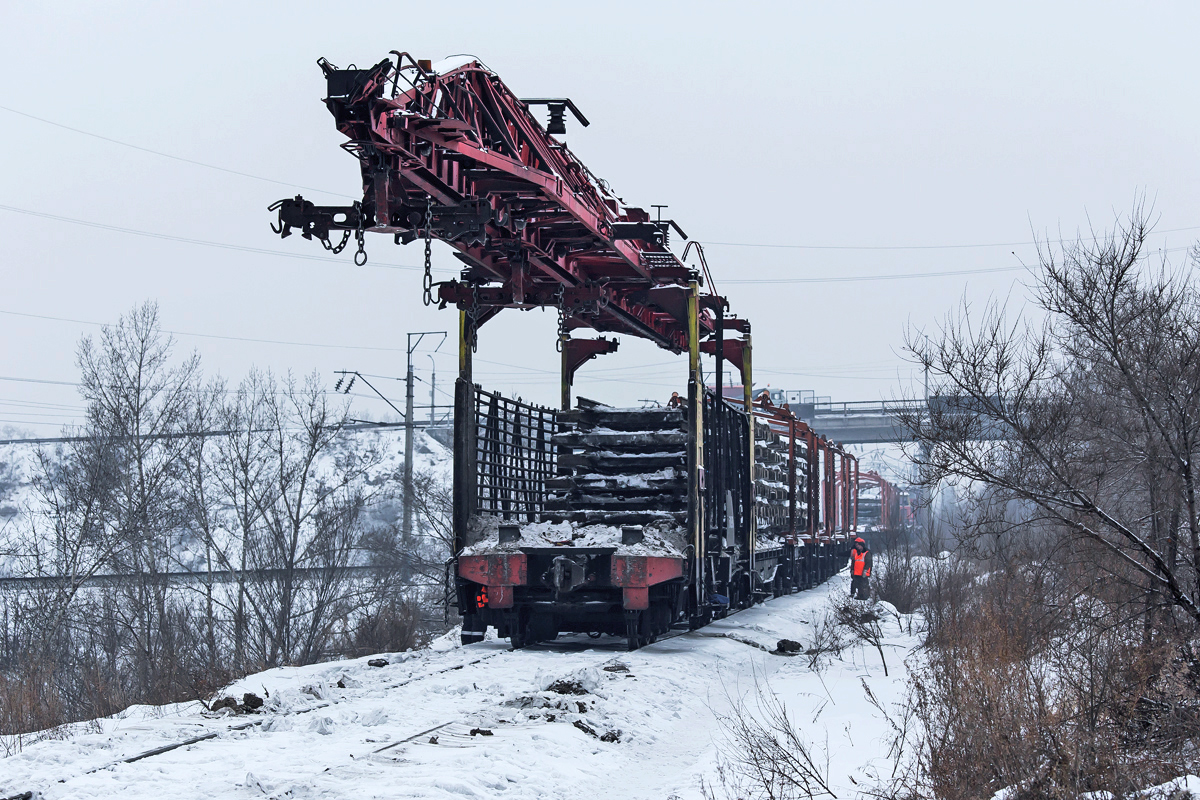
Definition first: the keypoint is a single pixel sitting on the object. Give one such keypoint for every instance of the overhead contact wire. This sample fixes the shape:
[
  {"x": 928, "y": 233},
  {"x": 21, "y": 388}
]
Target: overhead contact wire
[{"x": 171, "y": 156}]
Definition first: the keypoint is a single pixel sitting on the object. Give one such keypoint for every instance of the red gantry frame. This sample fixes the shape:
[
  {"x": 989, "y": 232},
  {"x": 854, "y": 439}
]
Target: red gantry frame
[{"x": 448, "y": 152}]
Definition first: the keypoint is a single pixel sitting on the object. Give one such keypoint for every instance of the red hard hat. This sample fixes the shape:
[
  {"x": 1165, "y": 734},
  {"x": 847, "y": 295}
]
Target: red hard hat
[{"x": 859, "y": 539}]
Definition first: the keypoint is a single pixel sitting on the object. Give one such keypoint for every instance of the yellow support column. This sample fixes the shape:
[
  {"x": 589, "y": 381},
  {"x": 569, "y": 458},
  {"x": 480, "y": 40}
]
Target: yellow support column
[
  {"x": 464, "y": 345},
  {"x": 566, "y": 372},
  {"x": 696, "y": 432}
]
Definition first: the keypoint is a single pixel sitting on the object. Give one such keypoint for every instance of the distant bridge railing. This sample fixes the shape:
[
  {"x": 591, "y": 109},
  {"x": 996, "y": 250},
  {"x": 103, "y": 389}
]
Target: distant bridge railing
[
  {"x": 868, "y": 407},
  {"x": 881, "y": 421}
]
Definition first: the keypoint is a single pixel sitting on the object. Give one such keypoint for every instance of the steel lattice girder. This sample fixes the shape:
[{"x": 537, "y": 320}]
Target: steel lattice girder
[{"x": 531, "y": 223}]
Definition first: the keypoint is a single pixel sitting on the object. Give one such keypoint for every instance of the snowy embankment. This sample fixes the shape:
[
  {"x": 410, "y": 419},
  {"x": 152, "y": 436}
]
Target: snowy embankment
[{"x": 483, "y": 721}]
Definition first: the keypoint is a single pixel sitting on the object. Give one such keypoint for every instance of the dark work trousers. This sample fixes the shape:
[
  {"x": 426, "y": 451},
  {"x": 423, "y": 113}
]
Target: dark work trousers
[{"x": 860, "y": 587}]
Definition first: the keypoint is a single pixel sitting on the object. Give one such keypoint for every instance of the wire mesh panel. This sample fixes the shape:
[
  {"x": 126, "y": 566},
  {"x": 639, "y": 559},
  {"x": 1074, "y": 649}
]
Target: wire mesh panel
[
  {"x": 514, "y": 456},
  {"x": 728, "y": 497}
]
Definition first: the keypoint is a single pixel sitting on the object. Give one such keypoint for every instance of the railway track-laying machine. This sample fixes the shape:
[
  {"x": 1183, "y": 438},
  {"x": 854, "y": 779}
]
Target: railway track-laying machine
[{"x": 588, "y": 519}]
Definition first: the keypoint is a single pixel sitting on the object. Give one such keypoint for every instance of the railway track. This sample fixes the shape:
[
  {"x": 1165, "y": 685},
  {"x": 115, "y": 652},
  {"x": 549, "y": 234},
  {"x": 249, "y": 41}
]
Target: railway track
[
  {"x": 611, "y": 650},
  {"x": 256, "y": 723},
  {"x": 460, "y": 732},
  {"x": 499, "y": 704}
]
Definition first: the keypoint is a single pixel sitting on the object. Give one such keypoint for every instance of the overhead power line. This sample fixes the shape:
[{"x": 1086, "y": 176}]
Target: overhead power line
[
  {"x": 878, "y": 277},
  {"x": 8, "y": 401},
  {"x": 43, "y": 414},
  {"x": 171, "y": 156},
  {"x": 357, "y": 427},
  {"x": 216, "y": 336},
  {"x": 787, "y": 246},
  {"x": 293, "y": 185},
  {"x": 38, "y": 380},
  {"x": 309, "y": 257},
  {"x": 314, "y": 344},
  {"x": 76, "y": 384},
  {"x": 200, "y": 242},
  {"x": 28, "y": 422},
  {"x": 900, "y": 275}
]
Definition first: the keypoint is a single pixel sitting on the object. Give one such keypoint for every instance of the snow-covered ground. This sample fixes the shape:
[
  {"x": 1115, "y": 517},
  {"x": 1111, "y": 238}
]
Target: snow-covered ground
[{"x": 347, "y": 729}]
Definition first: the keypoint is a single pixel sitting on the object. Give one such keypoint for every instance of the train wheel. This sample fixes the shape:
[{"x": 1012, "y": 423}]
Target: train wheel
[
  {"x": 648, "y": 625},
  {"x": 518, "y": 630},
  {"x": 633, "y": 630}
]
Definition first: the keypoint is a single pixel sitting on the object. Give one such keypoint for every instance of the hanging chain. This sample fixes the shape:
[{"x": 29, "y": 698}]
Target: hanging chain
[
  {"x": 473, "y": 317},
  {"x": 427, "y": 280},
  {"x": 336, "y": 248},
  {"x": 360, "y": 256},
  {"x": 562, "y": 321}
]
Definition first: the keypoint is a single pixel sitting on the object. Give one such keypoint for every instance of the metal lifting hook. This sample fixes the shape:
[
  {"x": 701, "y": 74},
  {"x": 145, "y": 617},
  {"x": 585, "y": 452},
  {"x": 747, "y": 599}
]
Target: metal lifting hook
[{"x": 360, "y": 256}]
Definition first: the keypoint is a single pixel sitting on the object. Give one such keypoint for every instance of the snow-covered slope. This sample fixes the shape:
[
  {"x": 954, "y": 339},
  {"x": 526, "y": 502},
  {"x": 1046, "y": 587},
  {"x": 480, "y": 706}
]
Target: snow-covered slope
[
  {"x": 406, "y": 729},
  {"x": 17, "y": 465}
]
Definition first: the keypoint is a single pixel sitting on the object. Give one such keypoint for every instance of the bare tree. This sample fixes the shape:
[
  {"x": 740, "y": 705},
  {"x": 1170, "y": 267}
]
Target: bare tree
[
  {"x": 139, "y": 401},
  {"x": 1088, "y": 418},
  {"x": 297, "y": 511},
  {"x": 239, "y": 465},
  {"x": 425, "y": 552},
  {"x": 1065, "y": 660},
  {"x": 204, "y": 506},
  {"x": 67, "y": 539},
  {"x": 190, "y": 534},
  {"x": 864, "y": 624},
  {"x": 767, "y": 755}
]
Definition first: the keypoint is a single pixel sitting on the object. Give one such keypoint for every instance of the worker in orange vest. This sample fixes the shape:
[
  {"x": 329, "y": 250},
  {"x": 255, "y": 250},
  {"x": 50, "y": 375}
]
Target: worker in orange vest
[{"x": 860, "y": 570}]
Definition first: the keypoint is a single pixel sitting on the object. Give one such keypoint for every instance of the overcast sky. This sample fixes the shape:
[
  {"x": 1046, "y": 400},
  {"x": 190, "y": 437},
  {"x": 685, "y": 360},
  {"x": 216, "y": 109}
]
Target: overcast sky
[{"x": 828, "y": 141}]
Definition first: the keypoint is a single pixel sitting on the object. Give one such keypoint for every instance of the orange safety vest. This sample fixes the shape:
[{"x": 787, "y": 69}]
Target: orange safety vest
[{"x": 860, "y": 563}]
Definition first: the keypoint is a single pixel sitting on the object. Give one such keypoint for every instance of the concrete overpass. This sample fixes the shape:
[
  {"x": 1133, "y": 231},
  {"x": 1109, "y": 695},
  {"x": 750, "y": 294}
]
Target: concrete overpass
[
  {"x": 864, "y": 422},
  {"x": 876, "y": 421}
]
